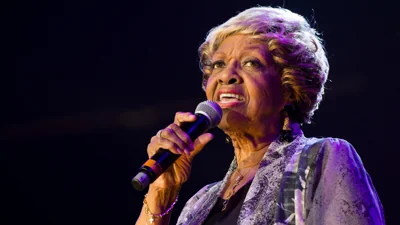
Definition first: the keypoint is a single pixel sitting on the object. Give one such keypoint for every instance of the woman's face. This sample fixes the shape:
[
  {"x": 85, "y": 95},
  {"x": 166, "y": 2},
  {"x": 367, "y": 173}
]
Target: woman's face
[{"x": 245, "y": 83}]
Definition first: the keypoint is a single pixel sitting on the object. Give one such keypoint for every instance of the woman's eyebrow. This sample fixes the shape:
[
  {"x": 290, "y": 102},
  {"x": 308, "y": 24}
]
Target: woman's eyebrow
[{"x": 218, "y": 54}]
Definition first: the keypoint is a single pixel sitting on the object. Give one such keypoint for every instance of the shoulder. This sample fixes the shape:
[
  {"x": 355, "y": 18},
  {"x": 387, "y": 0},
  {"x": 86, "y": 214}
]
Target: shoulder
[
  {"x": 333, "y": 154},
  {"x": 340, "y": 187},
  {"x": 330, "y": 143},
  {"x": 337, "y": 144},
  {"x": 337, "y": 158},
  {"x": 332, "y": 148}
]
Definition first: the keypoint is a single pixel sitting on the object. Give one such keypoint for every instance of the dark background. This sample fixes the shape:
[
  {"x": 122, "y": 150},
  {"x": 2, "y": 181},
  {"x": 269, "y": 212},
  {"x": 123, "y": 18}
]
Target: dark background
[{"x": 85, "y": 84}]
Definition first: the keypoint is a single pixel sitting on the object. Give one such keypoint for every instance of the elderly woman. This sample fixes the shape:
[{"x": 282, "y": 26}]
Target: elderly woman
[{"x": 266, "y": 68}]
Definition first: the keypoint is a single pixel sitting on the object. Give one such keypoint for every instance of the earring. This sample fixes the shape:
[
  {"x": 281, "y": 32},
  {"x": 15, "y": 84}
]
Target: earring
[
  {"x": 228, "y": 139},
  {"x": 286, "y": 132},
  {"x": 289, "y": 110}
]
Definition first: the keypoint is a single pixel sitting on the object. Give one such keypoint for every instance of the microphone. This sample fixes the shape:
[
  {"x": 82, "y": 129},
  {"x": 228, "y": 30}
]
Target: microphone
[{"x": 208, "y": 115}]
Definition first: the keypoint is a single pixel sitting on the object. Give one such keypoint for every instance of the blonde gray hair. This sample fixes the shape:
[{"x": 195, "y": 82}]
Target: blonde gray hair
[{"x": 294, "y": 46}]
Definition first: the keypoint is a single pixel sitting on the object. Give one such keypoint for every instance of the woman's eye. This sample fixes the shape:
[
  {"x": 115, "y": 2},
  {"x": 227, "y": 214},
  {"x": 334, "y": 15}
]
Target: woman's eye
[
  {"x": 252, "y": 63},
  {"x": 218, "y": 64}
]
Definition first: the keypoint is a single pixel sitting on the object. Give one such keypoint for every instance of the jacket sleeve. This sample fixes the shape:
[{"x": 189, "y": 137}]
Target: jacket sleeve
[{"x": 343, "y": 192}]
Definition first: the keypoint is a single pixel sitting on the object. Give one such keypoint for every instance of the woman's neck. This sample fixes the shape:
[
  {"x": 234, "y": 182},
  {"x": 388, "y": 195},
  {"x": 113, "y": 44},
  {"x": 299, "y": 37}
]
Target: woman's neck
[
  {"x": 251, "y": 148},
  {"x": 251, "y": 142}
]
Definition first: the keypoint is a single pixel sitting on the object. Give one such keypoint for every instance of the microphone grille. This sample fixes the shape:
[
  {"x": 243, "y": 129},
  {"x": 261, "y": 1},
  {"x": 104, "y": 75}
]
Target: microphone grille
[{"x": 211, "y": 110}]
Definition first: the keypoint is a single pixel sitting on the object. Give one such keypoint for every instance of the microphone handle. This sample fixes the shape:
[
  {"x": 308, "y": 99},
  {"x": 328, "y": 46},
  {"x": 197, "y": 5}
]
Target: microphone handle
[{"x": 163, "y": 158}]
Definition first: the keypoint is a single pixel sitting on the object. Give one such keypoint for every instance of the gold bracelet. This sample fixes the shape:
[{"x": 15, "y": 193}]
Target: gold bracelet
[{"x": 154, "y": 216}]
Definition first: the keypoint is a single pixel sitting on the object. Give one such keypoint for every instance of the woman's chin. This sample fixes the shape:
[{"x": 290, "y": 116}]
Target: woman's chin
[{"x": 233, "y": 121}]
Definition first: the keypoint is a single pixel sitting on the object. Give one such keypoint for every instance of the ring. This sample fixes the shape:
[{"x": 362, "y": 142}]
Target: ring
[{"x": 159, "y": 133}]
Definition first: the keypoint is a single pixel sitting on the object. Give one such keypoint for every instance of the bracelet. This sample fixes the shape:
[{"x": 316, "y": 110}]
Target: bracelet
[{"x": 154, "y": 216}]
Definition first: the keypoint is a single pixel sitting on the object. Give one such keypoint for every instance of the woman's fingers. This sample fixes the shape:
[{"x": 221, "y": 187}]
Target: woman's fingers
[
  {"x": 176, "y": 140},
  {"x": 182, "y": 117},
  {"x": 159, "y": 142},
  {"x": 200, "y": 142},
  {"x": 182, "y": 137},
  {"x": 172, "y": 138}
]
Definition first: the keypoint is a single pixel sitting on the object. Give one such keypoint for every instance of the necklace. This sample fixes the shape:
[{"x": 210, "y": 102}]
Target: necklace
[{"x": 237, "y": 181}]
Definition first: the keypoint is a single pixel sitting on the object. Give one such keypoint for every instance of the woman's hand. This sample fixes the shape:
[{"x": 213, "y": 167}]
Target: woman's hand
[{"x": 177, "y": 141}]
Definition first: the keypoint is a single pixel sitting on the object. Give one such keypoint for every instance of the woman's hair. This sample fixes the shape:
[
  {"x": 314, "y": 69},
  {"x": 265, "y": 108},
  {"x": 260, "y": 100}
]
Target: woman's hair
[{"x": 295, "y": 49}]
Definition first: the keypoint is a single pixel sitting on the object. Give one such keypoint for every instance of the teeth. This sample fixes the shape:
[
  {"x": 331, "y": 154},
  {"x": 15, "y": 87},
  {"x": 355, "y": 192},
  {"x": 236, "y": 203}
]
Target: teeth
[{"x": 229, "y": 95}]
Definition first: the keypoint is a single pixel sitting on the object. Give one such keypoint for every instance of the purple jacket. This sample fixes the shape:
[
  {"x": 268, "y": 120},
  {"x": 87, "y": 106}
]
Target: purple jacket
[{"x": 307, "y": 181}]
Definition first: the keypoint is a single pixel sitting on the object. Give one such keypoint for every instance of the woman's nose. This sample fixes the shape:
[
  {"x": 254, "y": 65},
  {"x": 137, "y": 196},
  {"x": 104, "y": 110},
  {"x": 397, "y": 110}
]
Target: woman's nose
[{"x": 230, "y": 76}]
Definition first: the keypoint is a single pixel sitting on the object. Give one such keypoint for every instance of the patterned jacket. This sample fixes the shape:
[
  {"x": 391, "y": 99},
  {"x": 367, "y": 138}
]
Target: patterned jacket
[{"x": 307, "y": 181}]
